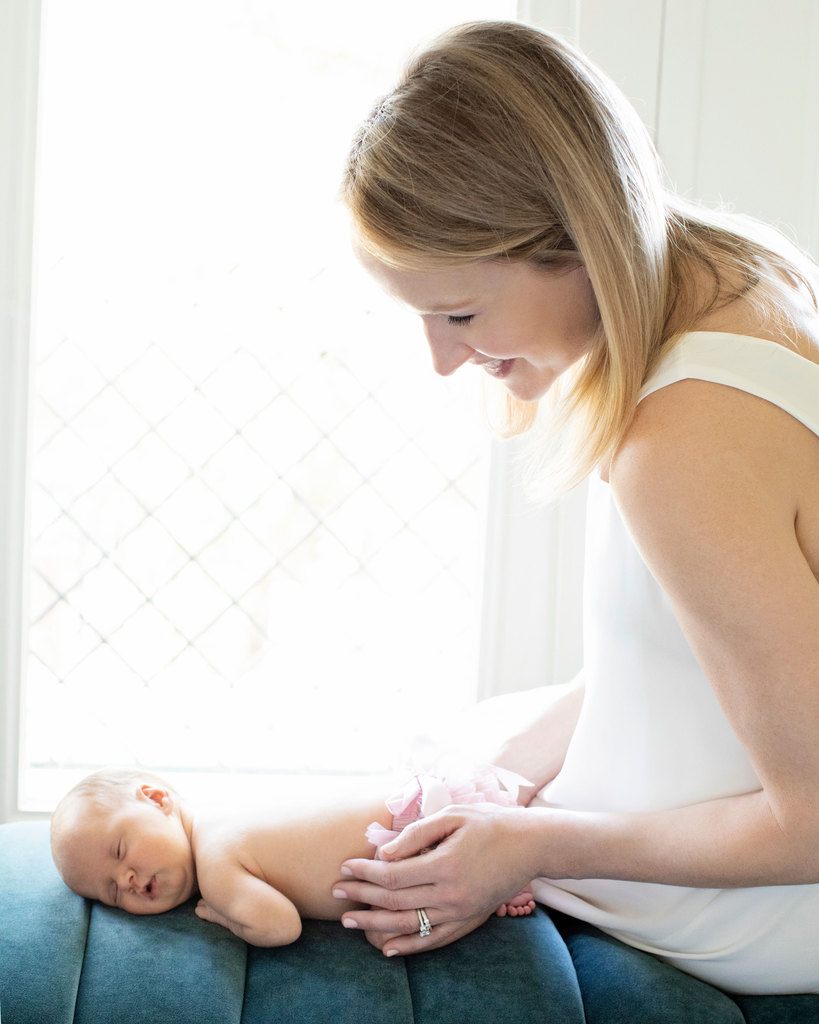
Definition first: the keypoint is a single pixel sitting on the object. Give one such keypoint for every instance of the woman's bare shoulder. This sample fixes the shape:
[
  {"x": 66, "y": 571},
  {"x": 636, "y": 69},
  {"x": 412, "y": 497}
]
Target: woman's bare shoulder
[
  {"x": 713, "y": 419},
  {"x": 695, "y": 431},
  {"x": 741, "y": 317}
]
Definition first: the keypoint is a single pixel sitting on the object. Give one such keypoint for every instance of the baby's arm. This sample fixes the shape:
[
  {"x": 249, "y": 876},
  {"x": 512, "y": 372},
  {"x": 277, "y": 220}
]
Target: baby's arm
[{"x": 247, "y": 906}]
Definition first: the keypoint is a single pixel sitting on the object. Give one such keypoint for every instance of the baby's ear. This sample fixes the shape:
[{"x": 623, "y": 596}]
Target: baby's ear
[{"x": 156, "y": 795}]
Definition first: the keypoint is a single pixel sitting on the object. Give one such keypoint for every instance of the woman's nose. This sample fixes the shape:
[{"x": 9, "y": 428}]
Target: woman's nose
[{"x": 447, "y": 355}]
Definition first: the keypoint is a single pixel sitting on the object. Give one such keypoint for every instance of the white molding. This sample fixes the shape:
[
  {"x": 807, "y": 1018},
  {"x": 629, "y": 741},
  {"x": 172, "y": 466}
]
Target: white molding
[
  {"x": 625, "y": 40},
  {"x": 809, "y": 186},
  {"x": 569, "y": 555},
  {"x": 560, "y": 16},
  {"x": 531, "y": 628},
  {"x": 681, "y": 92},
  {"x": 19, "y": 59}
]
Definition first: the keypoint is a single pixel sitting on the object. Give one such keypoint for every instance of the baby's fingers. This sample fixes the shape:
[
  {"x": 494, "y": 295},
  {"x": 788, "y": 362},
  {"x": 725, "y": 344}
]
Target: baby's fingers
[{"x": 207, "y": 913}]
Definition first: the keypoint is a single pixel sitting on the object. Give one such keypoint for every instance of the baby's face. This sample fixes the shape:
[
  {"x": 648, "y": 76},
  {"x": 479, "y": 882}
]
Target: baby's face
[{"x": 136, "y": 856}]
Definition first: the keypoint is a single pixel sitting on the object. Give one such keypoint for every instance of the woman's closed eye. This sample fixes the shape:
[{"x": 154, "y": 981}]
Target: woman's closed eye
[{"x": 458, "y": 321}]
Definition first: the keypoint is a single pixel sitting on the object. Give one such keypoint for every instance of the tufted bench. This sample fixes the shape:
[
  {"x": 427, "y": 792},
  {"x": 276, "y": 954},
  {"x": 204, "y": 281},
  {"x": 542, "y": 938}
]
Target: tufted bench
[{"x": 63, "y": 959}]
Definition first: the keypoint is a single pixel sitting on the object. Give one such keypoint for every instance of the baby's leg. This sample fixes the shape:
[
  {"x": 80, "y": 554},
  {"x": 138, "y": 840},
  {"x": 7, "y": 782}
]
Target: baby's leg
[{"x": 520, "y": 905}]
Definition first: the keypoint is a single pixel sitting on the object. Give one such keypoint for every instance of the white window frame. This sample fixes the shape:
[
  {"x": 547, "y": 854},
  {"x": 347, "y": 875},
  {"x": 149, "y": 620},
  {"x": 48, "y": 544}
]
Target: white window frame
[
  {"x": 531, "y": 629},
  {"x": 19, "y": 82}
]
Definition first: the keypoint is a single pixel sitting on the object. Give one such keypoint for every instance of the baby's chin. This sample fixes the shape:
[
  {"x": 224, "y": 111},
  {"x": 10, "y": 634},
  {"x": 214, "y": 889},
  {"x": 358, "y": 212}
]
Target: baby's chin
[{"x": 156, "y": 907}]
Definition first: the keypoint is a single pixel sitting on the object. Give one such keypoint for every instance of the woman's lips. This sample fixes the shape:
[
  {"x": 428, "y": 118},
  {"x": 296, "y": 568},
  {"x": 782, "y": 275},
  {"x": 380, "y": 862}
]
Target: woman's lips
[{"x": 498, "y": 368}]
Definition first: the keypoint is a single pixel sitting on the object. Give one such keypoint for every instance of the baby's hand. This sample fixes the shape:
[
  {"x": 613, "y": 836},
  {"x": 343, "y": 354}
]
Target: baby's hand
[
  {"x": 278, "y": 920},
  {"x": 207, "y": 913}
]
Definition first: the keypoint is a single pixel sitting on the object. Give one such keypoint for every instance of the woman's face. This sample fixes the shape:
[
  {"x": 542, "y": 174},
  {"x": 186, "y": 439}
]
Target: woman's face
[{"x": 523, "y": 324}]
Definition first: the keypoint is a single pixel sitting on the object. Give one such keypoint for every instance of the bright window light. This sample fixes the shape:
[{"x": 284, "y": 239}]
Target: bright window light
[{"x": 255, "y": 513}]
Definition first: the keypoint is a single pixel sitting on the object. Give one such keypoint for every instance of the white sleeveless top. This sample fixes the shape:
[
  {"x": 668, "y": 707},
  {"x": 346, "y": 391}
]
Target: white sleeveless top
[{"x": 651, "y": 734}]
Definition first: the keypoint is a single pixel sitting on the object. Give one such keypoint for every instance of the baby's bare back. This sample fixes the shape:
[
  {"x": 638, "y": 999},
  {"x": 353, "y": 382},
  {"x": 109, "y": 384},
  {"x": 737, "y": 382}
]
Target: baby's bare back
[{"x": 297, "y": 851}]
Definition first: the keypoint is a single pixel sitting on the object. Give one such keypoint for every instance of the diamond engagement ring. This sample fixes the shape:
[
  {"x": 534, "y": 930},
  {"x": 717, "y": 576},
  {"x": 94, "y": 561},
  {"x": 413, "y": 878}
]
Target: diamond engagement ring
[{"x": 425, "y": 928}]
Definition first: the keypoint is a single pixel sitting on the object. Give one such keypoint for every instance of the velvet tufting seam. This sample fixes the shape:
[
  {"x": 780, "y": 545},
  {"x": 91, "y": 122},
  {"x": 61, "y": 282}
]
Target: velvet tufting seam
[{"x": 87, "y": 909}]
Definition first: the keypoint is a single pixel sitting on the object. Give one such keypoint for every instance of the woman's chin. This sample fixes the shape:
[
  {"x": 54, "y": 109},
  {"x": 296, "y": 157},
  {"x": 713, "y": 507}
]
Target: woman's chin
[{"x": 527, "y": 390}]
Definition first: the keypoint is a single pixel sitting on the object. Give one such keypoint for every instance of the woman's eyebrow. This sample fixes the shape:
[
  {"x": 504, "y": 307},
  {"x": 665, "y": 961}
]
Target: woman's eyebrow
[{"x": 447, "y": 308}]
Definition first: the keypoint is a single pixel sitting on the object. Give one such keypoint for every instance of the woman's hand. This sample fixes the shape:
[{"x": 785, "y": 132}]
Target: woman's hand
[
  {"x": 391, "y": 944},
  {"x": 458, "y": 865}
]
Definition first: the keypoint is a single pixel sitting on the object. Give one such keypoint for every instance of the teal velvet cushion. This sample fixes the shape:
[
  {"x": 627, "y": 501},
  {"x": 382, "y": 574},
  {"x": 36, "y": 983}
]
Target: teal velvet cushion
[{"x": 65, "y": 960}]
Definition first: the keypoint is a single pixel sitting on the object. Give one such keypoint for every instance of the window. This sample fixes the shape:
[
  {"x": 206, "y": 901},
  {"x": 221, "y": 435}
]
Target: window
[{"x": 256, "y": 516}]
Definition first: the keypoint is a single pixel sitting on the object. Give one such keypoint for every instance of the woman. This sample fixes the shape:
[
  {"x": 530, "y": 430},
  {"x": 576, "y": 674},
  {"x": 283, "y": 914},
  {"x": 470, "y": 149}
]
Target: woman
[{"x": 507, "y": 192}]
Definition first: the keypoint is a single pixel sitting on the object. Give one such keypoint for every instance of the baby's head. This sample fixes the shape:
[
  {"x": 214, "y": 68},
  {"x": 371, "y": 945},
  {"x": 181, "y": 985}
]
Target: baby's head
[{"x": 120, "y": 836}]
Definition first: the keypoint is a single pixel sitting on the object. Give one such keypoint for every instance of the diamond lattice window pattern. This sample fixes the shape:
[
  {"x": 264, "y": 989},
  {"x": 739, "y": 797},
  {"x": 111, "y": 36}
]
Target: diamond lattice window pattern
[{"x": 254, "y": 511}]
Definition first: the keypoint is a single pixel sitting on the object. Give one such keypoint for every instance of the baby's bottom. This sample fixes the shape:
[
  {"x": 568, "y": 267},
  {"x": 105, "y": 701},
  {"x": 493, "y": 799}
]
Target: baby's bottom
[{"x": 425, "y": 794}]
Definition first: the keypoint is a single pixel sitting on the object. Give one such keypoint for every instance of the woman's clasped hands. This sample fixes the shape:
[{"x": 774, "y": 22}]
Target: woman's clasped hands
[{"x": 457, "y": 865}]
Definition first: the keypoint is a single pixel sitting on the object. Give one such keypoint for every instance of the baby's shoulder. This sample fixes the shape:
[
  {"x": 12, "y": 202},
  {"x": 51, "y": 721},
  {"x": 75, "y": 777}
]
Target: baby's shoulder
[
  {"x": 219, "y": 845},
  {"x": 221, "y": 871}
]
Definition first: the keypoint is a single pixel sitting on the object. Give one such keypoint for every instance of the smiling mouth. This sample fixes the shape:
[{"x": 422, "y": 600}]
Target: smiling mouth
[{"x": 494, "y": 367}]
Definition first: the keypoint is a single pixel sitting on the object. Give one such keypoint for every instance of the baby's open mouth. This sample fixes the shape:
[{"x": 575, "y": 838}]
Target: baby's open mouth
[{"x": 150, "y": 888}]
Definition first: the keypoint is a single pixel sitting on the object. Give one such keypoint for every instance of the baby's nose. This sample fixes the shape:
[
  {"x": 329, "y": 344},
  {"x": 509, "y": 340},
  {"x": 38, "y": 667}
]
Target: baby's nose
[
  {"x": 129, "y": 880},
  {"x": 126, "y": 878}
]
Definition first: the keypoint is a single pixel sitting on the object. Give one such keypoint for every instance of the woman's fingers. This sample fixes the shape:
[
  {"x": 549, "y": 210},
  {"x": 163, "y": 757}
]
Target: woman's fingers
[
  {"x": 389, "y": 875},
  {"x": 419, "y": 836},
  {"x": 379, "y": 939},
  {"x": 441, "y": 935},
  {"x": 388, "y": 924},
  {"x": 385, "y": 898},
  {"x": 470, "y": 872},
  {"x": 416, "y": 839}
]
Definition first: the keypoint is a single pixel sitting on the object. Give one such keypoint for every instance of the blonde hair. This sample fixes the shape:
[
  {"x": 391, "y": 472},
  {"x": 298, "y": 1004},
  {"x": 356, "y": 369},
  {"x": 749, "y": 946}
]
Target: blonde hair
[{"x": 503, "y": 142}]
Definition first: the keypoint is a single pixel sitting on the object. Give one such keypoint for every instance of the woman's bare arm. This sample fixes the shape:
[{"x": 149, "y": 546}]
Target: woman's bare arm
[{"x": 538, "y": 748}]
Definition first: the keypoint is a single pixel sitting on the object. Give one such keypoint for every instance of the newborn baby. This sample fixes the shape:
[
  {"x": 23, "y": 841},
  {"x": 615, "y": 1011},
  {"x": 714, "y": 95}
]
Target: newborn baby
[{"x": 125, "y": 837}]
